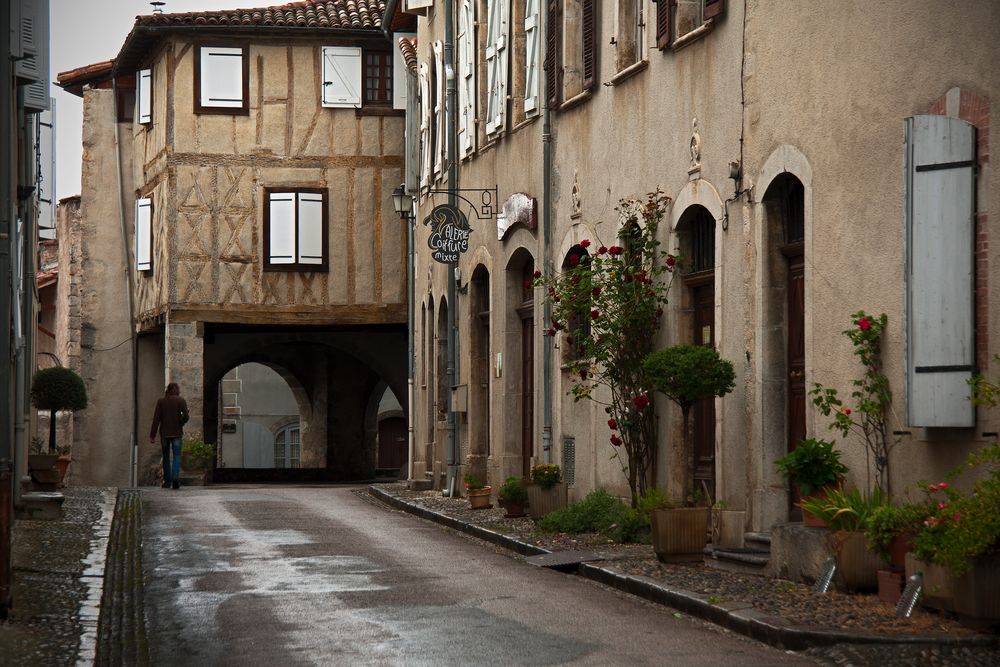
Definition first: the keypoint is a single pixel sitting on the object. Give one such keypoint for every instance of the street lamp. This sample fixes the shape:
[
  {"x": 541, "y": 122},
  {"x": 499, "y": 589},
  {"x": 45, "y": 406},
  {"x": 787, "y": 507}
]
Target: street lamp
[{"x": 402, "y": 202}]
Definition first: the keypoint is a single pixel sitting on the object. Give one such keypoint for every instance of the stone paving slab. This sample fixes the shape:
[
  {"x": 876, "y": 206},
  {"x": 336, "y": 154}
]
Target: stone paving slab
[{"x": 58, "y": 582}]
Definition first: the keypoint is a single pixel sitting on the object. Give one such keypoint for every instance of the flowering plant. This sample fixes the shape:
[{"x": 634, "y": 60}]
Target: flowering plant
[
  {"x": 963, "y": 526},
  {"x": 607, "y": 310},
  {"x": 546, "y": 475},
  {"x": 872, "y": 396}
]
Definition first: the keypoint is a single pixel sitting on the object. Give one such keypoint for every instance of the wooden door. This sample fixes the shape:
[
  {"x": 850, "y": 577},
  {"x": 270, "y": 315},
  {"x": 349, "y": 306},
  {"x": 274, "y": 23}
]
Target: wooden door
[
  {"x": 392, "y": 443},
  {"x": 527, "y": 393},
  {"x": 703, "y": 416},
  {"x": 796, "y": 362}
]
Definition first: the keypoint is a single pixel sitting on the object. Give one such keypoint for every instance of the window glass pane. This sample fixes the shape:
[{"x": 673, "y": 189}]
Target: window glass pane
[{"x": 279, "y": 450}]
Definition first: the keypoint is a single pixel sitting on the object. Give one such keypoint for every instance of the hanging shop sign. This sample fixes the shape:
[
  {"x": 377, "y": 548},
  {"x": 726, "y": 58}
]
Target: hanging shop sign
[{"x": 450, "y": 232}]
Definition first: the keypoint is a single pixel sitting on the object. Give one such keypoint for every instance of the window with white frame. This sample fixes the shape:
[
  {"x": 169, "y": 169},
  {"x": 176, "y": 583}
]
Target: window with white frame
[
  {"x": 295, "y": 229},
  {"x": 440, "y": 129},
  {"x": 629, "y": 33},
  {"x": 426, "y": 149},
  {"x": 466, "y": 78},
  {"x": 144, "y": 234},
  {"x": 143, "y": 97},
  {"x": 497, "y": 36},
  {"x": 287, "y": 448},
  {"x": 222, "y": 76},
  {"x": 679, "y": 21},
  {"x": 532, "y": 56}
]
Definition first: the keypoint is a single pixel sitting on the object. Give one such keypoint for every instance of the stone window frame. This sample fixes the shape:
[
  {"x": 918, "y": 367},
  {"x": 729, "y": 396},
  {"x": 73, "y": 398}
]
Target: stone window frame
[
  {"x": 296, "y": 267},
  {"x": 631, "y": 55},
  {"x": 243, "y": 110},
  {"x": 709, "y": 12}
]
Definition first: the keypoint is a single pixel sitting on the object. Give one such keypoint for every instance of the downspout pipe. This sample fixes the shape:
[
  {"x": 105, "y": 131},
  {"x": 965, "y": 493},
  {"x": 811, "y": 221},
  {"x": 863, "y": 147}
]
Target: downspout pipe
[
  {"x": 547, "y": 270},
  {"x": 451, "y": 118},
  {"x": 133, "y": 472}
]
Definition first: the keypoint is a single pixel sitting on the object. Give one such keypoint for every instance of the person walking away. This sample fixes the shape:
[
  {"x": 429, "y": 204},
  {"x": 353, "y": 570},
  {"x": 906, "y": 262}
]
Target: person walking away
[{"x": 169, "y": 417}]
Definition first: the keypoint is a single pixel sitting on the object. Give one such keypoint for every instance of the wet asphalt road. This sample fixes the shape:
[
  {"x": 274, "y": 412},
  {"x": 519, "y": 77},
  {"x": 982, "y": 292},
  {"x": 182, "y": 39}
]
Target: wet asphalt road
[{"x": 316, "y": 575}]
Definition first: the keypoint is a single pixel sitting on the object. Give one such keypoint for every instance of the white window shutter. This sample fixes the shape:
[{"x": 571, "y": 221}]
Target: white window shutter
[
  {"x": 417, "y": 4},
  {"x": 143, "y": 234},
  {"x": 221, "y": 77},
  {"x": 503, "y": 55},
  {"x": 940, "y": 227},
  {"x": 440, "y": 130},
  {"x": 399, "y": 72},
  {"x": 426, "y": 162},
  {"x": 496, "y": 65},
  {"x": 466, "y": 78},
  {"x": 144, "y": 96},
  {"x": 310, "y": 228},
  {"x": 342, "y": 76},
  {"x": 281, "y": 220},
  {"x": 532, "y": 51}
]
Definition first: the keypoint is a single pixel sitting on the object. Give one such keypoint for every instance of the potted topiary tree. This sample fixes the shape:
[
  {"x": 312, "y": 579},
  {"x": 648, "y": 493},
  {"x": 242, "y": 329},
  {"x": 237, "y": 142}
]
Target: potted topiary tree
[
  {"x": 54, "y": 389},
  {"x": 686, "y": 374},
  {"x": 513, "y": 497}
]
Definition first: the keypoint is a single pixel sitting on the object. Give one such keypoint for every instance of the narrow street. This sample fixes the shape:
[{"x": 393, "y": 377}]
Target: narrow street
[{"x": 320, "y": 575}]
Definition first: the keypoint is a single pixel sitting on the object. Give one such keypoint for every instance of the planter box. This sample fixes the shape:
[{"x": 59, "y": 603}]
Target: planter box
[
  {"x": 43, "y": 471},
  {"x": 680, "y": 535},
  {"x": 972, "y": 595},
  {"x": 513, "y": 510},
  {"x": 857, "y": 566},
  {"x": 479, "y": 499},
  {"x": 542, "y": 501},
  {"x": 890, "y": 586},
  {"x": 728, "y": 528}
]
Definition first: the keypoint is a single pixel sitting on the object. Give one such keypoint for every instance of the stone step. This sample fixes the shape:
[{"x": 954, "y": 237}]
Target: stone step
[
  {"x": 759, "y": 541},
  {"x": 745, "y": 560}
]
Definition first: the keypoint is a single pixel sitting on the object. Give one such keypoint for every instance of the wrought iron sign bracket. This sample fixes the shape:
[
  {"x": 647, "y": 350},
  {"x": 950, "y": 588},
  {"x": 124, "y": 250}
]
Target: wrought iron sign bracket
[{"x": 488, "y": 209}]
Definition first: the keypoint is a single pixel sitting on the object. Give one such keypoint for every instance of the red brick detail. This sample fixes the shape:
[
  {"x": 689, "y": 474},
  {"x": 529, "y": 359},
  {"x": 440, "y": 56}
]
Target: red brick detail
[{"x": 975, "y": 109}]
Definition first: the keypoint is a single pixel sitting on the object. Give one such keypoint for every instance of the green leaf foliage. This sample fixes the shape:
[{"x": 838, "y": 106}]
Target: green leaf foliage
[
  {"x": 512, "y": 491},
  {"x": 845, "y": 510},
  {"x": 812, "y": 465},
  {"x": 58, "y": 389},
  {"x": 600, "y": 513},
  {"x": 687, "y": 374}
]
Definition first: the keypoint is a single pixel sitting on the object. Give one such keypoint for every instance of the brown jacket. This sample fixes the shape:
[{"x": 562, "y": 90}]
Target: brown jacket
[{"x": 167, "y": 417}]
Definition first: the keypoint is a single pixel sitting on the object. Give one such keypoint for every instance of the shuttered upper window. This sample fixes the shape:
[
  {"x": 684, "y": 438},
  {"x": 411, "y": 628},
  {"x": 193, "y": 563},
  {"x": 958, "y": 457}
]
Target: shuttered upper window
[
  {"x": 378, "y": 78},
  {"x": 466, "y": 78},
  {"x": 571, "y": 50},
  {"x": 678, "y": 19},
  {"x": 222, "y": 80},
  {"x": 295, "y": 229},
  {"x": 532, "y": 55},
  {"x": 342, "y": 76},
  {"x": 940, "y": 181},
  {"x": 143, "y": 96},
  {"x": 497, "y": 36},
  {"x": 629, "y": 33},
  {"x": 144, "y": 234}
]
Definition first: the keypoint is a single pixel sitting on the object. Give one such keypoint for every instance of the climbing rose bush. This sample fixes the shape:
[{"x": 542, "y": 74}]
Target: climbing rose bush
[{"x": 607, "y": 307}]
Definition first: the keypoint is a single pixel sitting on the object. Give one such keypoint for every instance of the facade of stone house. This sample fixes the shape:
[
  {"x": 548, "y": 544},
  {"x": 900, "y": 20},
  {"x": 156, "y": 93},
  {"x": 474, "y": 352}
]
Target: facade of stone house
[
  {"x": 799, "y": 192},
  {"x": 247, "y": 157}
]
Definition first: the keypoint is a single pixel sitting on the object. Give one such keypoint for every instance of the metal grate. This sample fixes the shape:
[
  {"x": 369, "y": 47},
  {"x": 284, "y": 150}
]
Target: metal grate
[{"x": 569, "y": 461}]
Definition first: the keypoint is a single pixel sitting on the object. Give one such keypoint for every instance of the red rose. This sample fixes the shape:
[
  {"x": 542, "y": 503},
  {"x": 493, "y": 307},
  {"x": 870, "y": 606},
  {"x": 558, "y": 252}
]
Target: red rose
[
  {"x": 650, "y": 292},
  {"x": 583, "y": 374},
  {"x": 596, "y": 291},
  {"x": 641, "y": 402},
  {"x": 602, "y": 250},
  {"x": 552, "y": 290},
  {"x": 864, "y": 323},
  {"x": 671, "y": 260},
  {"x": 942, "y": 485},
  {"x": 537, "y": 274},
  {"x": 526, "y": 283},
  {"x": 594, "y": 314},
  {"x": 556, "y": 298},
  {"x": 569, "y": 340},
  {"x": 556, "y": 325},
  {"x": 574, "y": 260},
  {"x": 615, "y": 250},
  {"x": 612, "y": 424},
  {"x": 846, "y": 411},
  {"x": 585, "y": 243},
  {"x": 551, "y": 331},
  {"x": 616, "y": 441},
  {"x": 575, "y": 280}
]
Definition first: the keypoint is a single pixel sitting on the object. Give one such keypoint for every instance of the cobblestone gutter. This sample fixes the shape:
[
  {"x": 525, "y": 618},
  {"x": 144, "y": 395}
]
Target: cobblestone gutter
[{"x": 121, "y": 636}]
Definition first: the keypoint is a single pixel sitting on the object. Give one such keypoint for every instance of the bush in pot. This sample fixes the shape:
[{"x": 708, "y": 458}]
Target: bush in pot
[
  {"x": 56, "y": 389},
  {"x": 513, "y": 497},
  {"x": 847, "y": 514},
  {"x": 546, "y": 493},
  {"x": 478, "y": 491},
  {"x": 814, "y": 466}
]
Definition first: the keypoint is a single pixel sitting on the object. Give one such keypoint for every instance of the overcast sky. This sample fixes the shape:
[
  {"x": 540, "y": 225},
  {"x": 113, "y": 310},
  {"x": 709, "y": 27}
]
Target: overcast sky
[{"x": 89, "y": 31}]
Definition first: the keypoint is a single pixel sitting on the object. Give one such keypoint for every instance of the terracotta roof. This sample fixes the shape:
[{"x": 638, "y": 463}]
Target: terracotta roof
[
  {"x": 74, "y": 79},
  {"x": 349, "y": 14},
  {"x": 46, "y": 278},
  {"x": 408, "y": 47}
]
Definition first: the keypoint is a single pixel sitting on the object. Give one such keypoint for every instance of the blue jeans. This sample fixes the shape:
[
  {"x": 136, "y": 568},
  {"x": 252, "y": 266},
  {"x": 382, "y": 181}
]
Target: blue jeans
[{"x": 171, "y": 471}]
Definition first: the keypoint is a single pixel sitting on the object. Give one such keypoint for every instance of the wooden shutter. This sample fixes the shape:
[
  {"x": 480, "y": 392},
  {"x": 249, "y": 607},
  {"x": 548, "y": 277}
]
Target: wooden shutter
[
  {"x": 310, "y": 228},
  {"x": 714, "y": 9},
  {"x": 144, "y": 96},
  {"x": 940, "y": 183},
  {"x": 662, "y": 24},
  {"x": 342, "y": 77},
  {"x": 418, "y": 4},
  {"x": 466, "y": 78},
  {"x": 589, "y": 44},
  {"x": 32, "y": 70},
  {"x": 496, "y": 65},
  {"x": 553, "y": 53},
  {"x": 440, "y": 128},
  {"x": 221, "y": 77},
  {"x": 47, "y": 173},
  {"x": 144, "y": 234},
  {"x": 532, "y": 49},
  {"x": 426, "y": 150},
  {"x": 281, "y": 228}
]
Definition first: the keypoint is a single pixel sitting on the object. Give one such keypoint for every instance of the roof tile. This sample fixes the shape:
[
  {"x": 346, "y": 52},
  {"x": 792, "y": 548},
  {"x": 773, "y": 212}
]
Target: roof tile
[{"x": 348, "y": 14}]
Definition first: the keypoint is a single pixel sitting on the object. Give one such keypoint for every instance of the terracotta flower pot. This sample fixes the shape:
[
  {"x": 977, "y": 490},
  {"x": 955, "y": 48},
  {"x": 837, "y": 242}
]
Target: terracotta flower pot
[
  {"x": 811, "y": 520},
  {"x": 514, "y": 510},
  {"x": 62, "y": 465},
  {"x": 542, "y": 501},
  {"x": 479, "y": 499},
  {"x": 680, "y": 534},
  {"x": 890, "y": 586},
  {"x": 857, "y": 566},
  {"x": 898, "y": 548}
]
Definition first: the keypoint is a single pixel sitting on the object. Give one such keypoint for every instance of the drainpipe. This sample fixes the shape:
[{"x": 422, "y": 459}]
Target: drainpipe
[
  {"x": 19, "y": 273},
  {"x": 133, "y": 471},
  {"x": 452, "y": 141},
  {"x": 409, "y": 343},
  {"x": 547, "y": 270},
  {"x": 7, "y": 473}
]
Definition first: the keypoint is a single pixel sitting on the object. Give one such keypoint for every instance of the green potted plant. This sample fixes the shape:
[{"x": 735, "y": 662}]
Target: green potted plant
[
  {"x": 197, "y": 456},
  {"x": 814, "y": 467},
  {"x": 686, "y": 374},
  {"x": 847, "y": 515},
  {"x": 54, "y": 389},
  {"x": 547, "y": 492},
  {"x": 890, "y": 531},
  {"x": 513, "y": 497},
  {"x": 958, "y": 545},
  {"x": 478, "y": 492}
]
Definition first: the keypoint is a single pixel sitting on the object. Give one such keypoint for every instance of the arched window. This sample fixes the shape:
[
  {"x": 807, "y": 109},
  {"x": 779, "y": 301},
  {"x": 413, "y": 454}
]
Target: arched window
[
  {"x": 286, "y": 447},
  {"x": 579, "y": 326}
]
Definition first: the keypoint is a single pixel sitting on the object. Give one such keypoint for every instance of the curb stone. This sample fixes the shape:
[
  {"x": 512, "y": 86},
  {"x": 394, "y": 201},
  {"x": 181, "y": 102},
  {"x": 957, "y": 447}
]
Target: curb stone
[{"x": 739, "y": 617}]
